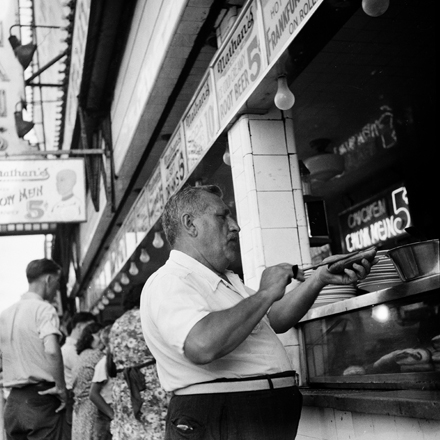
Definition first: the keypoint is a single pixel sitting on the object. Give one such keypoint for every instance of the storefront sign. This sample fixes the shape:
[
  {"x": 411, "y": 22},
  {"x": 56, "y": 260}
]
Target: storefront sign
[
  {"x": 238, "y": 65},
  {"x": 374, "y": 137},
  {"x": 283, "y": 19},
  {"x": 155, "y": 196},
  {"x": 200, "y": 123},
  {"x": 375, "y": 221},
  {"x": 42, "y": 191},
  {"x": 173, "y": 162}
]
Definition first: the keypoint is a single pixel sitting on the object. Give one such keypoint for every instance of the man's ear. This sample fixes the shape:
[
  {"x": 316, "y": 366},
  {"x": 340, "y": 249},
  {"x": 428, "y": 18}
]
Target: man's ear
[{"x": 188, "y": 225}]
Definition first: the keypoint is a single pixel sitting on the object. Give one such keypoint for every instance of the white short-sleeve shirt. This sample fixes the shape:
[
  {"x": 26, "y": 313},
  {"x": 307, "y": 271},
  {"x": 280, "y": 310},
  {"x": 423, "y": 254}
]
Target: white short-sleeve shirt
[
  {"x": 23, "y": 327},
  {"x": 180, "y": 294}
]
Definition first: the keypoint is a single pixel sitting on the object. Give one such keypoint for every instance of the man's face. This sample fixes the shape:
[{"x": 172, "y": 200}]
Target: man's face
[
  {"x": 52, "y": 286},
  {"x": 217, "y": 236}
]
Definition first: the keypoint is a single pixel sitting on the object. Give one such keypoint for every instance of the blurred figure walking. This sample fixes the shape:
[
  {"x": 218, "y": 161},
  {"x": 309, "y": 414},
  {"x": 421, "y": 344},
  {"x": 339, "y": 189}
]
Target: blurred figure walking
[
  {"x": 139, "y": 402},
  {"x": 101, "y": 393},
  {"x": 70, "y": 358},
  {"x": 85, "y": 413}
]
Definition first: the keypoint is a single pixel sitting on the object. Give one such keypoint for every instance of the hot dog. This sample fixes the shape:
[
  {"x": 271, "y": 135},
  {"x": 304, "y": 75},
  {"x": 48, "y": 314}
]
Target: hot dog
[{"x": 338, "y": 267}]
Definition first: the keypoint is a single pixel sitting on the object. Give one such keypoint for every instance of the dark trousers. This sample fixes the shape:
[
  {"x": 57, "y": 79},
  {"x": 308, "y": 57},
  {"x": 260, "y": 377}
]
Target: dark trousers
[
  {"x": 67, "y": 422},
  {"x": 29, "y": 416},
  {"x": 254, "y": 415}
]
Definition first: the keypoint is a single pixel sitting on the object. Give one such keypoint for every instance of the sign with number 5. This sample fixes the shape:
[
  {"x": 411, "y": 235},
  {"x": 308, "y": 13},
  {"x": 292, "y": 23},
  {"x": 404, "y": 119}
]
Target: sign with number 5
[
  {"x": 42, "y": 191},
  {"x": 239, "y": 65}
]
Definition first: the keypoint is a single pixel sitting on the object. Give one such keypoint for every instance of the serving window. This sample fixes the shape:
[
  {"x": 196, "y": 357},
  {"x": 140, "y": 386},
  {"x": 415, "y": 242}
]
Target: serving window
[{"x": 384, "y": 339}]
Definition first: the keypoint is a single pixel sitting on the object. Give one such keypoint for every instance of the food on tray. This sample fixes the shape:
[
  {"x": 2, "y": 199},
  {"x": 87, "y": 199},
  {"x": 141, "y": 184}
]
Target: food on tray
[
  {"x": 411, "y": 356},
  {"x": 354, "y": 370},
  {"x": 435, "y": 341}
]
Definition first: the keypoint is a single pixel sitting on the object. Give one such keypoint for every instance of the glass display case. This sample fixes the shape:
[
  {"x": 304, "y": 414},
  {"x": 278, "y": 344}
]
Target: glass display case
[{"x": 386, "y": 339}]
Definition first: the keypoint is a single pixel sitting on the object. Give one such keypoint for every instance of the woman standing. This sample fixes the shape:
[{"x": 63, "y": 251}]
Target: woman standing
[
  {"x": 89, "y": 348},
  {"x": 139, "y": 403}
]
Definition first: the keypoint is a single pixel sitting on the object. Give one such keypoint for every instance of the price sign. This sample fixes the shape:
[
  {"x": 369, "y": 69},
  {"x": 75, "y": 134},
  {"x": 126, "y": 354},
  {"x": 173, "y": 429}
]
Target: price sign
[
  {"x": 200, "y": 123},
  {"x": 283, "y": 19},
  {"x": 40, "y": 191},
  {"x": 239, "y": 65},
  {"x": 173, "y": 162},
  {"x": 155, "y": 196}
]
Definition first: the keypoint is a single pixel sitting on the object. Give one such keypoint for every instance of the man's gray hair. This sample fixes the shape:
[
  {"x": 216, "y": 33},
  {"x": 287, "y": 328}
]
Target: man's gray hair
[{"x": 188, "y": 200}]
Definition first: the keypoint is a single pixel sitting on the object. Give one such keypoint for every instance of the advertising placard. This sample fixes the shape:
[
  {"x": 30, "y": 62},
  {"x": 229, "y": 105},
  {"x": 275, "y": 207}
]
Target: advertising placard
[
  {"x": 41, "y": 191},
  {"x": 239, "y": 65},
  {"x": 155, "y": 196},
  {"x": 283, "y": 19},
  {"x": 173, "y": 162},
  {"x": 200, "y": 123},
  {"x": 376, "y": 220}
]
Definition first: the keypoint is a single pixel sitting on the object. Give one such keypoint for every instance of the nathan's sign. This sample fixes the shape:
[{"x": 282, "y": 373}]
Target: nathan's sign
[
  {"x": 283, "y": 19},
  {"x": 42, "y": 191},
  {"x": 200, "y": 123},
  {"x": 375, "y": 221},
  {"x": 173, "y": 161},
  {"x": 239, "y": 65}
]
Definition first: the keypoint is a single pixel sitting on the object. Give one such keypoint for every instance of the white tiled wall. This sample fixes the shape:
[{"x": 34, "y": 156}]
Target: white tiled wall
[{"x": 268, "y": 196}]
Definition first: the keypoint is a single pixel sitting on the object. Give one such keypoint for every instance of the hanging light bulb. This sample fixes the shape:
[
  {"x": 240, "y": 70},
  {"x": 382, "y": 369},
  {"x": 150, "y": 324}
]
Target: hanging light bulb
[
  {"x": 133, "y": 270},
  {"x": 375, "y": 8},
  {"x": 105, "y": 300},
  {"x": 144, "y": 257},
  {"x": 227, "y": 157},
  {"x": 95, "y": 311},
  {"x": 101, "y": 306},
  {"x": 124, "y": 279},
  {"x": 117, "y": 287},
  {"x": 110, "y": 294},
  {"x": 158, "y": 241},
  {"x": 284, "y": 98}
]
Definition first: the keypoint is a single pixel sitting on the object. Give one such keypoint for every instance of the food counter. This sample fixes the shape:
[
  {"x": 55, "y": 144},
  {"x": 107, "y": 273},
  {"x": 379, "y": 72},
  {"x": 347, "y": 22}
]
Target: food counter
[
  {"x": 377, "y": 352},
  {"x": 384, "y": 339}
]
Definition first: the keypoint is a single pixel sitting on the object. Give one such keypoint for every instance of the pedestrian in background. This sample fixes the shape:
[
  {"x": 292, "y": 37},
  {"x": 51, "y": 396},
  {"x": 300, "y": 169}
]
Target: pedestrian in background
[
  {"x": 101, "y": 392},
  {"x": 70, "y": 358},
  {"x": 31, "y": 358},
  {"x": 89, "y": 348},
  {"x": 139, "y": 402}
]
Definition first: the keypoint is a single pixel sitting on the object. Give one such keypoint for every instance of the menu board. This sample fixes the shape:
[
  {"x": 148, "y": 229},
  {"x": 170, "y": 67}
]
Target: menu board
[
  {"x": 200, "y": 122},
  {"x": 282, "y": 20},
  {"x": 173, "y": 163},
  {"x": 239, "y": 65},
  {"x": 376, "y": 220}
]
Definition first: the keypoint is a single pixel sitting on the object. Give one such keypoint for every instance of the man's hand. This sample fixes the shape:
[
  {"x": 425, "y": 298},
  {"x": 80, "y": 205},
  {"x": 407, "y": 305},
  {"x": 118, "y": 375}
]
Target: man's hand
[
  {"x": 58, "y": 392},
  {"x": 350, "y": 276},
  {"x": 274, "y": 280}
]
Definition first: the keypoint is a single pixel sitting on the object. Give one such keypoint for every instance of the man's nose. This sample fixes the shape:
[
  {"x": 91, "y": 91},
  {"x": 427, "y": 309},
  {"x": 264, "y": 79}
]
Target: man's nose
[{"x": 233, "y": 225}]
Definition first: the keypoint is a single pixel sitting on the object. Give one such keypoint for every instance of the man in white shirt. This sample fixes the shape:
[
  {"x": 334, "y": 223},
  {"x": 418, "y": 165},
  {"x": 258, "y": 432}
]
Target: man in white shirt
[
  {"x": 213, "y": 338},
  {"x": 31, "y": 358}
]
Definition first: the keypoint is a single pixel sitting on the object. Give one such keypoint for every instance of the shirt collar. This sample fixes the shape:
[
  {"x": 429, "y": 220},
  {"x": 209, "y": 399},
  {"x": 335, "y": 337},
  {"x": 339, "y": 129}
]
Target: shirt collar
[
  {"x": 31, "y": 295},
  {"x": 193, "y": 265}
]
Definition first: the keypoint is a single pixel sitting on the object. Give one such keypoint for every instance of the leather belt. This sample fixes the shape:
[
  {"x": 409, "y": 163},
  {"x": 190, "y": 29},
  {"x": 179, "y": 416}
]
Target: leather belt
[{"x": 237, "y": 386}]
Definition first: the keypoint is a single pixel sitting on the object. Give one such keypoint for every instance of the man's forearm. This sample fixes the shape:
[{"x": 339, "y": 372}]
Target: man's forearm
[
  {"x": 286, "y": 312},
  {"x": 218, "y": 333},
  {"x": 55, "y": 361}
]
